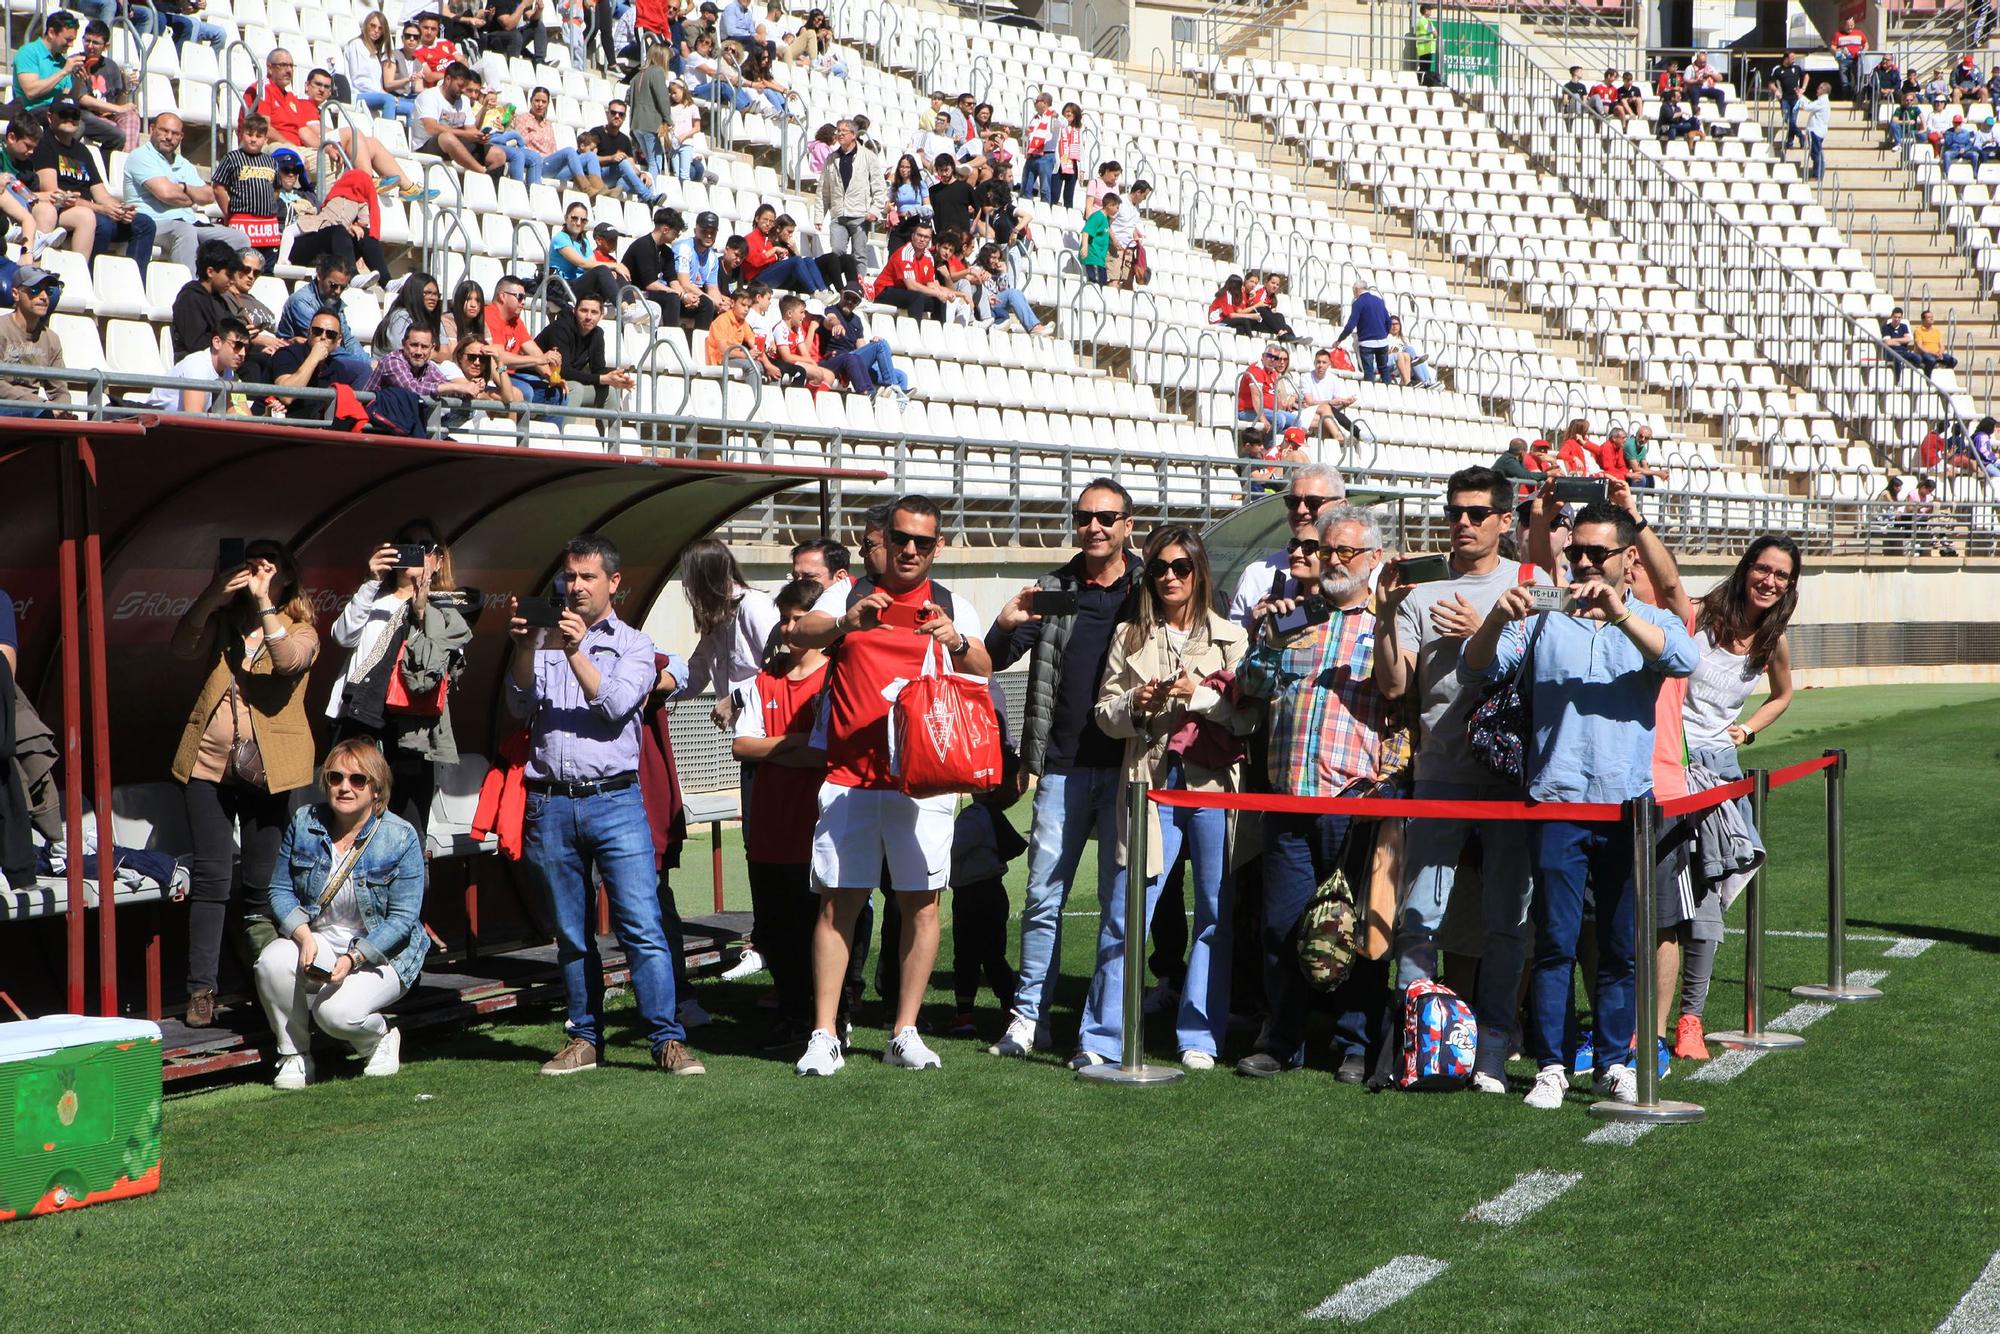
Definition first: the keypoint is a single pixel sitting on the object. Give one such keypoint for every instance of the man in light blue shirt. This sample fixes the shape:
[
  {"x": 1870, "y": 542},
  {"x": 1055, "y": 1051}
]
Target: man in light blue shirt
[
  {"x": 738, "y": 23},
  {"x": 167, "y": 188},
  {"x": 331, "y": 276},
  {"x": 1592, "y": 681}
]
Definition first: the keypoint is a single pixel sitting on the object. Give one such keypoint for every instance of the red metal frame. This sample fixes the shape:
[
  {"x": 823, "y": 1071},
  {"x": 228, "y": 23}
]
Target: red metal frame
[
  {"x": 72, "y": 739},
  {"x": 100, "y": 751}
]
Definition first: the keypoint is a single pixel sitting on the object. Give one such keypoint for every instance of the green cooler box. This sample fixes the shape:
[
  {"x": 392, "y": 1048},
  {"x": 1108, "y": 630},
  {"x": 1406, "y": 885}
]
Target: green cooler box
[{"x": 79, "y": 1112}]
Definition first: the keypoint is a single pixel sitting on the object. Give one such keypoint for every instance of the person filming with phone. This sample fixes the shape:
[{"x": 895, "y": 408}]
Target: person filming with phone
[{"x": 579, "y": 679}]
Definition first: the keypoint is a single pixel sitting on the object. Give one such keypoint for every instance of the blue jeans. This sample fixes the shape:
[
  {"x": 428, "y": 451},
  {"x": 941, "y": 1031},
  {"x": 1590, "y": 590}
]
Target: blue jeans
[
  {"x": 1431, "y": 850},
  {"x": 798, "y": 273},
  {"x": 1095, "y": 275},
  {"x": 1566, "y": 858},
  {"x": 650, "y": 150},
  {"x": 1816, "y": 148},
  {"x": 876, "y": 353},
  {"x": 1069, "y": 809},
  {"x": 519, "y": 156},
  {"x": 1792, "y": 123},
  {"x": 1011, "y": 302},
  {"x": 388, "y": 104},
  {"x": 1202, "y": 836},
  {"x": 687, "y": 165},
  {"x": 181, "y": 27},
  {"x": 1376, "y": 363},
  {"x": 625, "y": 173},
  {"x": 720, "y": 92},
  {"x": 1038, "y": 177},
  {"x": 565, "y": 164},
  {"x": 570, "y": 841},
  {"x": 1300, "y": 851},
  {"x": 537, "y": 389},
  {"x": 137, "y": 235}
]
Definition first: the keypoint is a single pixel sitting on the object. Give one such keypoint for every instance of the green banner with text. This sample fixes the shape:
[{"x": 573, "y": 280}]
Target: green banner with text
[{"x": 1467, "y": 47}]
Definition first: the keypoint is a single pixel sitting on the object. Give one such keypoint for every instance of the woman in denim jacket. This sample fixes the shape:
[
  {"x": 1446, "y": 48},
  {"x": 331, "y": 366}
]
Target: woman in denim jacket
[{"x": 346, "y": 894}]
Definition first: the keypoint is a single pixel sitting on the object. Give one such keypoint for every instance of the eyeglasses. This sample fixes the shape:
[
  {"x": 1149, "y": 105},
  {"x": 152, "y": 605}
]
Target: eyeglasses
[
  {"x": 1180, "y": 568},
  {"x": 335, "y": 778},
  {"x": 924, "y": 545},
  {"x": 335, "y": 287},
  {"x": 1781, "y": 576},
  {"x": 1310, "y": 504},
  {"x": 1579, "y": 553},
  {"x": 1102, "y": 518},
  {"x": 1305, "y": 546},
  {"x": 1346, "y": 554},
  {"x": 1477, "y": 513},
  {"x": 615, "y": 115},
  {"x": 279, "y": 64},
  {"x": 329, "y": 335},
  {"x": 237, "y": 343}
]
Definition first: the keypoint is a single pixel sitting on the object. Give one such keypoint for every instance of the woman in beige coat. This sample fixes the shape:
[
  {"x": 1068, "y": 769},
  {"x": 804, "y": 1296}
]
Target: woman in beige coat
[{"x": 1180, "y": 732}]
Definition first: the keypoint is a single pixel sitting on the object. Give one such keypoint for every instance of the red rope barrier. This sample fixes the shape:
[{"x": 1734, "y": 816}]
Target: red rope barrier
[
  {"x": 1583, "y": 812},
  {"x": 1708, "y": 798},
  {"x": 1792, "y": 773}
]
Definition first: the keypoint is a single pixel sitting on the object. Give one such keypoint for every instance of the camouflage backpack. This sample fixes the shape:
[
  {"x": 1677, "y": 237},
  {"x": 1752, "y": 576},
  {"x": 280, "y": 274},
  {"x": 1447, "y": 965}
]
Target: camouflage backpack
[{"x": 1329, "y": 934}]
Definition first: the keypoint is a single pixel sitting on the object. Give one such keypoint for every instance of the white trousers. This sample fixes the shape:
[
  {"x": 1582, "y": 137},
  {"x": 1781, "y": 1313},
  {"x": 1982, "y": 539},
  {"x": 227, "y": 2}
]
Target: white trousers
[{"x": 351, "y": 1012}]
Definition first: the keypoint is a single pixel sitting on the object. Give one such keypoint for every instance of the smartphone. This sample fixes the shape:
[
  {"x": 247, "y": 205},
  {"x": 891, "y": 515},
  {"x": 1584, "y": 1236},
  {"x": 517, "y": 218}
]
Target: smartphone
[
  {"x": 230, "y": 556},
  {"x": 1053, "y": 602},
  {"x": 1312, "y": 611},
  {"x": 409, "y": 555},
  {"x": 1547, "y": 597},
  {"x": 322, "y": 964},
  {"x": 1581, "y": 490},
  {"x": 1423, "y": 569},
  {"x": 906, "y": 617},
  {"x": 543, "y": 613}
]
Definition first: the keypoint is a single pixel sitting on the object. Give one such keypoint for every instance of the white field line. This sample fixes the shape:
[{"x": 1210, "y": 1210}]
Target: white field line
[
  {"x": 1821, "y": 935},
  {"x": 1530, "y": 1192},
  {"x": 1726, "y": 1066},
  {"x": 1802, "y": 1016},
  {"x": 1866, "y": 977},
  {"x": 1978, "y": 1311},
  {"x": 1620, "y": 1132},
  {"x": 1379, "y": 1290},
  {"x": 1908, "y": 949}
]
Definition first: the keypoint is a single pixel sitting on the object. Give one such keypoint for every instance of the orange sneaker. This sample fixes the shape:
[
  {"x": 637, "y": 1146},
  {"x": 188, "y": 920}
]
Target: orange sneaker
[{"x": 1689, "y": 1043}]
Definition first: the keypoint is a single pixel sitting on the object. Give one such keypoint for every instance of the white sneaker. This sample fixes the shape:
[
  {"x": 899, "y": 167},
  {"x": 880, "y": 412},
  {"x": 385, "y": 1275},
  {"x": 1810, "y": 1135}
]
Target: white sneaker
[
  {"x": 1018, "y": 1040},
  {"x": 54, "y": 236},
  {"x": 747, "y": 964},
  {"x": 364, "y": 280},
  {"x": 1485, "y": 1083},
  {"x": 690, "y": 1013},
  {"x": 1197, "y": 1060},
  {"x": 1550, "y": 1086},
  {"x": 294, "y": 1072},
  {"x": 1083, "y": 1060},
  {"x": 908, "y": 1050},
  {"x": 1620, "y": 1083},
  {"x": 387, "y": 1058},
  {"x": 822, "y": 1054}
]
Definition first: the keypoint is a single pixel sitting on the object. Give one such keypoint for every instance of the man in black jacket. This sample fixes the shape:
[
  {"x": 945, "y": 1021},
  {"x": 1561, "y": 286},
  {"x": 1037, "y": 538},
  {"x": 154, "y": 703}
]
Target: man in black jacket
[
  {"x": 577, "y": 335},
  {"x": 1064, "y": 622}
]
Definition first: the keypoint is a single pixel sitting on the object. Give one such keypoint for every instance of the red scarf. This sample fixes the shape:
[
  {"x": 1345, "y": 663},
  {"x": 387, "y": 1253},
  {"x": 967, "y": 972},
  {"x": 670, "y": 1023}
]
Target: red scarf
[{"x": 359, "y": 186}]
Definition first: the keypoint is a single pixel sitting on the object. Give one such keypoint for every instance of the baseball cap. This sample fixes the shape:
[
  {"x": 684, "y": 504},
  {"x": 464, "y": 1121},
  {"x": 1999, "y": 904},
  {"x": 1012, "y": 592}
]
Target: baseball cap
[
  {"x": 604, "y": 229},
  {"x": 706, "y": 221},
  {"x": 65, "y": 111},
  {"x": 288, "y": 160},
  {"x": 850, "y": 296},
  {"x": 30, "y": 276},
  {"x": 1294, "y": 435}
]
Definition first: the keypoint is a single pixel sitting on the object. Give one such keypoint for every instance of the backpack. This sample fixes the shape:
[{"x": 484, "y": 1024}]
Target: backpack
[
  {"x": 1502, "y": 723},
  {"x": 1329, "y": 934},
  {"x": 1440, "y": 1039}
]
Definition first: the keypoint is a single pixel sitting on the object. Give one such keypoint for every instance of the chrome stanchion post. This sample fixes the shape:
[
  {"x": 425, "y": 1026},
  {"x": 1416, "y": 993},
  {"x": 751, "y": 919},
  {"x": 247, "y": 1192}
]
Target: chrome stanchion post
[
  {"x": 1642, "y": 821},
  {"x": 1133, "y": 1068},
  {"x": 1752, "y": 1033},
  {"x": 1836, "y": 988}
]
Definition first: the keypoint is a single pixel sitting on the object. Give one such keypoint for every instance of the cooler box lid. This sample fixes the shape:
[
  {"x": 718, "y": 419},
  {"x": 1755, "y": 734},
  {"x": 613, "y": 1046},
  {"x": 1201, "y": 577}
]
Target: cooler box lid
[{"x": 26, "y": 1039}]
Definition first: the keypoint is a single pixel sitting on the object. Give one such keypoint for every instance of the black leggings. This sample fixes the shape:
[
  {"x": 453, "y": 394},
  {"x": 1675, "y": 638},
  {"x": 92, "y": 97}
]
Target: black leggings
[
  {"x": 214, "y": 811},
  {"x": 601, "y": 282},
  {"x": 918, "y": 305},
  {"x": 840, "y": 270},
  {"x": 337, "y": 240},
  {"x": 979, "y": 943},
  {"x": 674, "y": 307},
  {"x": 786, "y": 909},
  {"x": 412, "y": 778}
]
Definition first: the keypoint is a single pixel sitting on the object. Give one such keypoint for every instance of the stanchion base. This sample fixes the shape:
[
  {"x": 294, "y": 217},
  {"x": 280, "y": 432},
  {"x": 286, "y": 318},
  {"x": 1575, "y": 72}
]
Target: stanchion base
[
  {"x": 1841, "y": 993},
  {"x": 1665, "y": 1112},
  {"x": 1765, "y": 1041},
  {"x": 1145, "y": 1074}
]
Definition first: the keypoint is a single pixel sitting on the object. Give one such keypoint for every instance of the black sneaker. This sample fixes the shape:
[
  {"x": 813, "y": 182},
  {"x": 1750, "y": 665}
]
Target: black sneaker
[
  {"x": 1353, "y": 1069},
  {"x": 784, "y": 1035},
  {"x": 1260, "y": 1065}
]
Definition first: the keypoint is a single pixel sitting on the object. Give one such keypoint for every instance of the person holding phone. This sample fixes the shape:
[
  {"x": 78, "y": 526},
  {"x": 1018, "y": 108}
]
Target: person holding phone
[
  {"x": 1328, "y": 724},
  {"x": 1179, "y": 723},
  {"x": 1063, "y": 624},
  {"x": 1313, "y": 487},
  {"x": 580, "y": 687},
  {"x": 1420, "y": 630},
  {"x": 892, "y": 628},
  {"x": 407, "y": 639},
  {"x": 347, "y": 894},
  {"x": 245, "y": 747}
]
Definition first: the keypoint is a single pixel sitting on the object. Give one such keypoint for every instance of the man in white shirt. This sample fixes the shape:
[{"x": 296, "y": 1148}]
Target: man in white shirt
[
  {"x": 926, "y": 146},
  {"x": 444, "y": 121},
  {"x": 218, "y": 361},
  {"x": 1124, "y": 258},
  {"x": 1325, "y": 402}
]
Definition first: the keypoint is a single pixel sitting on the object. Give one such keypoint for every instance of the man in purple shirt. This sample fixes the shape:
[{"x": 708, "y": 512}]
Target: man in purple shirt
[{"x": 580, "y": 687}]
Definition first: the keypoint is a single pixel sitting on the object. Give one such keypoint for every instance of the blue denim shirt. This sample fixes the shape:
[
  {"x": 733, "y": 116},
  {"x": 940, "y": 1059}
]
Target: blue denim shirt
[
  {"x": 1592, "y": 696},
  {"x": 388, "y": 886}
]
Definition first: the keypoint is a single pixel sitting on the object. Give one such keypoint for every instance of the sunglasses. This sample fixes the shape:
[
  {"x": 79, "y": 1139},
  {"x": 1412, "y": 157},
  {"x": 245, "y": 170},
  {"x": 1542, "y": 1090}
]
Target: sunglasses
[
  {"x": 335, "y": 778},
  {"x": 1102, "y": 518},
  {"x": 1310, "y": 504},
  {"x": 329, "y": 335},
  {"x": 924, "y": 545},
  {"x": 1303, "y": 545},
  {"x": 238, "y": 343},
  {"x": 1346, "y": 554},
  {"x": 1579, "y": 553},
  {"x": 1477, "y": 513},
  {"x": 1180, "y": 568}
]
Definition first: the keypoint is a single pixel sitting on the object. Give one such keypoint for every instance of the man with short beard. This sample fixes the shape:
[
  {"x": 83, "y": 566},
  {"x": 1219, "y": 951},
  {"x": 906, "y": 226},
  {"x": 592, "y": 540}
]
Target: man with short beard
[{"x": 1328, "y": 720}]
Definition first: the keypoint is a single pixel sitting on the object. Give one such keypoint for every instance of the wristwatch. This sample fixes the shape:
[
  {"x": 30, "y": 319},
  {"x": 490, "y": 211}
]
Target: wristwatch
[
  {"x": 1639, "y": 524},
  {"x": 360, "y": 959},
  {"x": 1749, "y": 737}
]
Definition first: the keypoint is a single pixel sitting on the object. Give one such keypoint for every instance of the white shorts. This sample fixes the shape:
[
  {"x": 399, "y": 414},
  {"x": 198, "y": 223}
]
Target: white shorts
[{"x": 860, "y": 828}]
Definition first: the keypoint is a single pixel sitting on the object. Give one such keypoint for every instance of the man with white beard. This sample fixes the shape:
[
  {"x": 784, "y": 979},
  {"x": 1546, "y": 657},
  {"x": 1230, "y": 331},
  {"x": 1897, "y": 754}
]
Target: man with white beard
[{"x": 1314, "y": 660}]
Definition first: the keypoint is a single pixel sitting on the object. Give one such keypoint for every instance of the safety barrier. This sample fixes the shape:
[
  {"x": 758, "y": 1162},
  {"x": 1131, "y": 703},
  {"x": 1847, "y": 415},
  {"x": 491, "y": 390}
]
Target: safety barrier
[{"x": 1641, "y": 817}]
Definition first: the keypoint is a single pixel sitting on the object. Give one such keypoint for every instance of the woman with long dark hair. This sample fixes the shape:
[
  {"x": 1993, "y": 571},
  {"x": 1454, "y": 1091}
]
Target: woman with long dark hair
[
  {"x": 909, "y": 197},
  {"x": 1739, "y": 630},
  {"x": 1228, "y": 310},
  {"x": 732, "y": 621},
  {"x": 1179, "y": 728},
  {"x": 419, "y": 304},
  {"x": 466, "y": 320},
  {"x": 246, "y": 745}
]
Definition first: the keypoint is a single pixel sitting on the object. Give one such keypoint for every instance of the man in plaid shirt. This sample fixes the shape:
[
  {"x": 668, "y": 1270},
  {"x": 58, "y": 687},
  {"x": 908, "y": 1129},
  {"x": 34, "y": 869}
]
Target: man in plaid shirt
[{"x": 1328, "y": 722}]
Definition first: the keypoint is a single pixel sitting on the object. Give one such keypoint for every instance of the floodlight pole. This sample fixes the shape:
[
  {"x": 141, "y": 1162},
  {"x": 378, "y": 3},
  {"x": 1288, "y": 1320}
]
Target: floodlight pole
[
  {"x": 1836, "y": 988},
  {"x": 1133, "y": 1068},
  {"x": 1753, "y": 1034}
]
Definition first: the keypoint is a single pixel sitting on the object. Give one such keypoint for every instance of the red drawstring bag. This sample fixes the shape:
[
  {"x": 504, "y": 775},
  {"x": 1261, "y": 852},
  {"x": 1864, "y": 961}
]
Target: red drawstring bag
[
  {"x": 943, "y": 734},
  {"x": 398, "y": 699}
]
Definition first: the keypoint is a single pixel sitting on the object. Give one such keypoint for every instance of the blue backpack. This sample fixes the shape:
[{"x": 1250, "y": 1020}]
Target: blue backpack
[{"x": 1440, "y": 1039}]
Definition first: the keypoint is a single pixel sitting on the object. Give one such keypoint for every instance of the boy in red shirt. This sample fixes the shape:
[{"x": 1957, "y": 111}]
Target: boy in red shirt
[
  {"x": 797, "y": 348},
  {"x": 892, "y": 629},
  {"x": 774, "y": 727}
]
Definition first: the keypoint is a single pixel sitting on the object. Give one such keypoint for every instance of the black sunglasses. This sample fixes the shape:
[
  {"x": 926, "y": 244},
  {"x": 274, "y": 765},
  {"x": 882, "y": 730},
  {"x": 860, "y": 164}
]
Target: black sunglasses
[
  {"x": 924, "y": 545},
  {"x": 1180, "y": 568},
  {"x": 1306, "y": 545},
  {"x": 1310, "y": 504},
  {"x": 1477, "y": 513},
  {"x": 330, "y": 335},
  {"x": 1579, "y": 553},
  {"x": 1102, "y": 518}
]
